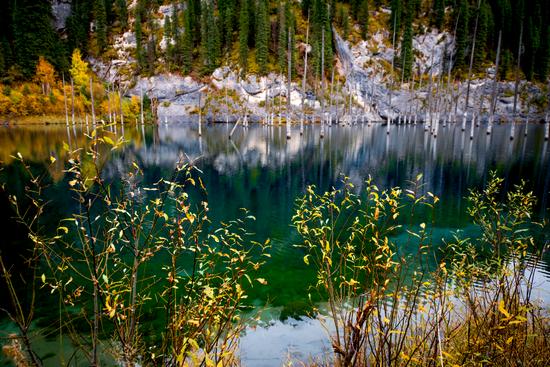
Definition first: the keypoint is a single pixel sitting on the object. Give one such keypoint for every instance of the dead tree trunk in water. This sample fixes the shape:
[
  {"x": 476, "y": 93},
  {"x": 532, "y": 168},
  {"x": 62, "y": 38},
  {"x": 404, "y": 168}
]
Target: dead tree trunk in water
[
  {"x": 516, "y": 86},
  {"x": 470, "y": 68},
  {"x": 93, "y": 108},
  {"x": 65, "y": 101},
  {"x": 495, "y": 83},
  {"x": 322, "y": 82},
  {"x": 288, "y": 87},
  {"x": 304, "y": 78}
]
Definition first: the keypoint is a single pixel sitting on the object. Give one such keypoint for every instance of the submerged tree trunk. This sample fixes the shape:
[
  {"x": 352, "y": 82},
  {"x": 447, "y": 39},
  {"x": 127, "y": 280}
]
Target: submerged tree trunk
[
  {"x": 304, "y": 78},
  {"x": 470, "y": 66},
  {"x": 495, "y": 83}
]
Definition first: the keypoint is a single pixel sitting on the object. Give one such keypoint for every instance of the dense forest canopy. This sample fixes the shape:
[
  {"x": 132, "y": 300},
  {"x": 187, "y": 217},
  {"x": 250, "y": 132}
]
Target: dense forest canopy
[{"x": 201, "y": 35}]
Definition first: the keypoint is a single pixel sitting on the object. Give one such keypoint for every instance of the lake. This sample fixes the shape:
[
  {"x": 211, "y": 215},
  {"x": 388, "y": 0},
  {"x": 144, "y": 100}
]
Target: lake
[{"x": 261, "y": 170}]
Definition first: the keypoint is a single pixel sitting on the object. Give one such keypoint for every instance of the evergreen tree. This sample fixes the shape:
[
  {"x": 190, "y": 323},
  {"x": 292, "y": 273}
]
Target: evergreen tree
[
  {"x": 354, "y": 6},
  {"x": 187, "y": 43},
  {"x": 395, "y": 18},
  {"x": 345, "y": 23},
  {"x": 462, "y": 15},
  {"x": 228, "y": 27},
  {"x": 542, "y": 64},
  {"x": 139, "y": 45},
  {"x": 210, "y": 44},
  {"x": 439, "y": 13},
  {"x": 100, "y": 16},
  {"x": 34, "y": 36},
  {"x": 406, "y": 44},
  {"x": 122, "y": 13},
  {"x": 251, "y": 22},
  {"x": 363, "y": 17},
  {"x": 262, "y": 36},
  {"x": 481, "y": 36},
  {"x": 282, "y": 40},
  {"x": 243, "y": 35}
]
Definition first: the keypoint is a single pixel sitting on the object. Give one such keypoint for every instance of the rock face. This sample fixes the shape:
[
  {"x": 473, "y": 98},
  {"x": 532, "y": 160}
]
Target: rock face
[
  {"x": 227, "y": 96},
  {"x": 61, "y": 9}
]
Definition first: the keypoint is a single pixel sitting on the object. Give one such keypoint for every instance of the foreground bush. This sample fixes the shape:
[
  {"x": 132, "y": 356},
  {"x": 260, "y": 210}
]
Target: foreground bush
[
  {"x": 466, "y": 302},
  {"x": 98, "y": 268}
]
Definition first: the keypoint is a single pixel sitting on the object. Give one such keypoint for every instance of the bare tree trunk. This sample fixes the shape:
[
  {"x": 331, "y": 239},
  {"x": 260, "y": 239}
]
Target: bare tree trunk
[
  {"x": 120, "y": 102},
  {"x": 304, "y": 77},
  {"x": 93, "y": 107},
  {"x": 141, "y": 103},
  {"x": 322, "y": 82},
  {"x": 391, "y": 76},
  {"x": 65, "y": 101},
  {"x": 288, "y": 86},
  {"x": 516, "y": 86},
  {"x": 495, "y": 83},
  {"x": 471, "y": 64}
]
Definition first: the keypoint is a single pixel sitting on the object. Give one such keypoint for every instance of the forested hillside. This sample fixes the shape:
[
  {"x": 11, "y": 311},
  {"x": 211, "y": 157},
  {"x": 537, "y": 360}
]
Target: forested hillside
[{"x": 195, "y": 36}]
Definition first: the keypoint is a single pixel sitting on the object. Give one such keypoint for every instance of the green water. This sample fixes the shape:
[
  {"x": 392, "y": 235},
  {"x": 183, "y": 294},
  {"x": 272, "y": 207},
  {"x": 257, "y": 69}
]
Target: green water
[{"x": 261, "y": 170}]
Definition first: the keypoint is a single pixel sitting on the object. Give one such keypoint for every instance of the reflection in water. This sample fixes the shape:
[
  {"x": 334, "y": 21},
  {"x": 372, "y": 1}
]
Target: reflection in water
[{"x": 263, "y": 171}]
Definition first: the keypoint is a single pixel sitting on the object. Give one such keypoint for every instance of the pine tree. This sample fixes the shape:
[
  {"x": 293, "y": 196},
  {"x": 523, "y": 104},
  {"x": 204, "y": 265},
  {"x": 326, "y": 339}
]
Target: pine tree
[
  {"x": 395, "y": 18},
  {"x": 481, "y": 36},
  {"x": 100, "y": 16},
  {"x": 542, "y": 63},
  {"x": 139, "y": 44},
  {"x": 461, "y": 33},
  {"x": 168, "y": 36},
  {"x": 439, "y": 13},
  {"x": 345, "y": 23},
  {"x": 262, "y": 36},
  {"x": 228, "y": 27},
  {"x": 34, "y": 36},
  {"x": 243, "y": 35},
  {"x": 122, "y": 13},
  {"x": 406, "y": 44},
  {"x": 187, "y": 43},
  {"x": 363, "y": 17},
  {"x": 282, "y": 40}
]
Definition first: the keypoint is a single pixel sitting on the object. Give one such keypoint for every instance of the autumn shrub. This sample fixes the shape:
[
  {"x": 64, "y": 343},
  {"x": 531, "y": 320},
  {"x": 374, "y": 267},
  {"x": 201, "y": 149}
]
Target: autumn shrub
[
  {"x": 134, "y": 258},
  {"x": 465, "y": 302}
]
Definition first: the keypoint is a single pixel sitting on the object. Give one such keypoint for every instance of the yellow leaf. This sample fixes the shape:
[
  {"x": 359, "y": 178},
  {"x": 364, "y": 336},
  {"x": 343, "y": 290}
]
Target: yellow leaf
[
  {"x": 43, "y": 278},
  {"x": 509, "y": 340},
  {"x": 52, "y": 159},
  {"x": 108, "y": 140},
  {"x": 306, "y": 259},
  {"x": 262, "y": 281},
  {"x": 72, "y": 182},
  {"x": 502, "y": 309}
]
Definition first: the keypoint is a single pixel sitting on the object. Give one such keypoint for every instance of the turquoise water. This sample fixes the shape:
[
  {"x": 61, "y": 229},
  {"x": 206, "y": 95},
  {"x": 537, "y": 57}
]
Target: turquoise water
[{"x": 261, "y": 170}]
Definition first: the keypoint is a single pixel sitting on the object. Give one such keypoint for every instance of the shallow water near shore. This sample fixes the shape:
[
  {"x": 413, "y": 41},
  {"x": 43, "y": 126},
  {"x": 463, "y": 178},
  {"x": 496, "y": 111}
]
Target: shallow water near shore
[{"x": 259, "y": 169}]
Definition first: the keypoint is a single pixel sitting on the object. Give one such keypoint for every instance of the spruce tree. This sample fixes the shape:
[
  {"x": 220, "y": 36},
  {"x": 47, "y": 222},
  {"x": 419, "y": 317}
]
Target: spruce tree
[
  {"x": 100, "y": 16},
  {"x": 139, "y": 45},
  {"x": 542, "y": 63},
  {"x": 395, "y": 18},
  {"x": 363, "y": 17},
  {"x": 439, "y": 13},
  {"x": 262, "y": 36},
  {"x": 34, "y": 36},
  {"x": 187, "y": 43},
  {"x": 282, "y": 40},
  {"x": 462, "y": 15},
  {"x": 228, "y": 27},
  {"x": 243, "y": 35},
  {"x": 122, "y": 13},
  {"x": 481, "y": 36},
  {"x": 406, "y": 44}
]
